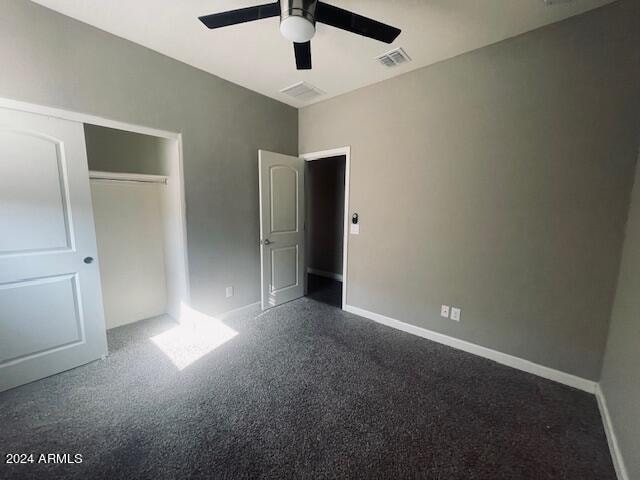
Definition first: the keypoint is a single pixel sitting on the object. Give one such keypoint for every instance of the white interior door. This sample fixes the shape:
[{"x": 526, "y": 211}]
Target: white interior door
[
  {"x": 281, "y": 227},
  {"x": 51, "y": 316}
]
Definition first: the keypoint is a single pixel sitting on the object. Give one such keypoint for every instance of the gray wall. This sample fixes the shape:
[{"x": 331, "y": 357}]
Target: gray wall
[
  {"x": 52, "y": 60},
  {"x": 620, "y": 380},
  {"x": 497, "y": 181},
  {"x": 112, "y": 150},
  {"x": 325, "y": 213}
]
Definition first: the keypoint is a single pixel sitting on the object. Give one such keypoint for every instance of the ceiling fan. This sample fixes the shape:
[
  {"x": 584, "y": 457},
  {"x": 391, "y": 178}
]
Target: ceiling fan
[{"x": 298, "y": 23}]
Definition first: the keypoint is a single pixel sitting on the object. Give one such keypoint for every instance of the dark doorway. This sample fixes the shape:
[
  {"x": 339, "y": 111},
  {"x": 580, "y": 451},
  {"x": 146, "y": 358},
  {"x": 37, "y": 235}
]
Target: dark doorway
[{"x": 325, "y": 190}]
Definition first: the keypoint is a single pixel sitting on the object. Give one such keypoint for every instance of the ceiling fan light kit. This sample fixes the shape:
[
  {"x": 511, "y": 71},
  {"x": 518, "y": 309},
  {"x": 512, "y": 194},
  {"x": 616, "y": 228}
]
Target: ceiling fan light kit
[
  {"x": 298, "y": 20},
  {"x": 298, "y": 23}
]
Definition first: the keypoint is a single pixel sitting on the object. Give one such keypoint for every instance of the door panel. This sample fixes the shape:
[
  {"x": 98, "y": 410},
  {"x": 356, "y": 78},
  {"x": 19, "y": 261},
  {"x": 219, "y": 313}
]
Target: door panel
[
  {"x": 55, "y": 312},
  {"x": 33, "y": 185},
  {"x": 284, "y": 211},
  {"x": 51, "y": 316},
  {"x": 281, "y": 227},
  {"x": 284, "y": 271}
]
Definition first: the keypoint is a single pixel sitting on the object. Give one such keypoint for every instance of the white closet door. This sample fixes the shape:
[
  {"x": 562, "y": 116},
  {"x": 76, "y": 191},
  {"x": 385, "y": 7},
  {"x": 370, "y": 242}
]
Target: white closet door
[{"x": 51, "y": 315}]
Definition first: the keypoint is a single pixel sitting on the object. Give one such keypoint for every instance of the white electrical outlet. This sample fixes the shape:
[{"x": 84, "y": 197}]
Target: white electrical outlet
[
  {"x": 455, "y": 314},
  {"x": 229, "y": 292},
  {"x": 444, "y": 311}
]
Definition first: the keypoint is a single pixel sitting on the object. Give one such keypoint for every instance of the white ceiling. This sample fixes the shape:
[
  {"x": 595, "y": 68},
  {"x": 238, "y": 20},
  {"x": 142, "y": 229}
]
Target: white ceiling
[{"x": 256, "y": 56}]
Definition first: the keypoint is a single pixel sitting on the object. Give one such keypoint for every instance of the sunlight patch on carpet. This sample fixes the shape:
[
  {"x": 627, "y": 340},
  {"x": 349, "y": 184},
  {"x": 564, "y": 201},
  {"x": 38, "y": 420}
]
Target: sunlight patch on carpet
[{"x": 196, "y": 336}]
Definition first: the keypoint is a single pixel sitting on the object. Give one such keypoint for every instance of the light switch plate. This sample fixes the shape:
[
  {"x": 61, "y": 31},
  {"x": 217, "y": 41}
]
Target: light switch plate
[
  {"x": 455, "y": 314},
  {"x": 229, "y": 292},
  {"x": 355, "y": 229},
  {"x": 444, "y": 311}
]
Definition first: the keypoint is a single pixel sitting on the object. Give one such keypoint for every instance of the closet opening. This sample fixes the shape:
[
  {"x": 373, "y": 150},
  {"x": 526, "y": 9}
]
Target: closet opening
[{"x": 137, "y": 195}]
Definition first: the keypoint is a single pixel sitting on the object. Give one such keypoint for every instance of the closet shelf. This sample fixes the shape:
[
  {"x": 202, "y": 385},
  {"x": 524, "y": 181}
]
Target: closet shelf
[{"x": 127, "y": 177}]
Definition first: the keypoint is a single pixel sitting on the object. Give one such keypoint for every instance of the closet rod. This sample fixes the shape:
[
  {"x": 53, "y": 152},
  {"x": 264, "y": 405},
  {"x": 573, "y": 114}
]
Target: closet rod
[{"x": 127, "y": 177}]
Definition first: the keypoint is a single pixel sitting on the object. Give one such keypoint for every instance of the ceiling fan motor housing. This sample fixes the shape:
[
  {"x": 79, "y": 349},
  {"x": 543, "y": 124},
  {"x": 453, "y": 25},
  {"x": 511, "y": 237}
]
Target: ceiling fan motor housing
[
  {"x": 298, "y": 19},
  {"x": 298, "y": 8}
]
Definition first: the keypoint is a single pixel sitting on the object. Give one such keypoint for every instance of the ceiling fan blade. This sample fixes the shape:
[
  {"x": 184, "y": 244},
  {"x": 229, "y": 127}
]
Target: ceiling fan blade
[
  {"x": 352, "y": 22},
  {"x": 303, "y": 55},
  {"x": 233, "y": 17}
]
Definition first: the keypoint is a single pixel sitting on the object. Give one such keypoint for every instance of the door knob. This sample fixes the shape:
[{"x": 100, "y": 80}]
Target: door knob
[
  {"x": 88, "y": 260},
  {"x": 267, "y": 242}
]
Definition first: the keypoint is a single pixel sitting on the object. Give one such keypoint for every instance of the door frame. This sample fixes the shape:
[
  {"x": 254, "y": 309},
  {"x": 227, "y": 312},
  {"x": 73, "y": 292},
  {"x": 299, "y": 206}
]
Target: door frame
[
  {"x": 336, "y": 152},
  {"x": 179, "y": 242}
]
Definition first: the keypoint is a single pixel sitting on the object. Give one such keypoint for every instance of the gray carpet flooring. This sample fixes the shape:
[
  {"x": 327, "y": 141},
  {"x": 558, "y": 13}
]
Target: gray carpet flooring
[{"x": 302, "y": 391}]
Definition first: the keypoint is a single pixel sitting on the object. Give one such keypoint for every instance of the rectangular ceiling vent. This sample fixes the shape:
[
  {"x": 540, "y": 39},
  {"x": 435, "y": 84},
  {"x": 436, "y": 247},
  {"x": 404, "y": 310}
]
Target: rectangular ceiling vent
[
  {"x": 302, "y": 91},
  {"x": 393, "y": 58}
]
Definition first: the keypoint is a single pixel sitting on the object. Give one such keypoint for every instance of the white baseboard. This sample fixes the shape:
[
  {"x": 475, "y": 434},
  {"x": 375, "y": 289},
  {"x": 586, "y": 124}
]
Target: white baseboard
[
  {"x": 222, "y": 316},
  {"x": 612, "y": 440},
  {"x": 322, "y": 273},
  {"x": 503, "y": 358}
]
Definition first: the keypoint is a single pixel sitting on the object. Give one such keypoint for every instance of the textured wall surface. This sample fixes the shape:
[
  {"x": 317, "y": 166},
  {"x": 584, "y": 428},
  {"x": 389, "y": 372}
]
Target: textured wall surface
[
  {"x": 620, "y": 380},
  {"x": 112, "y": 150},
  {"x": 499, "y": 182}
]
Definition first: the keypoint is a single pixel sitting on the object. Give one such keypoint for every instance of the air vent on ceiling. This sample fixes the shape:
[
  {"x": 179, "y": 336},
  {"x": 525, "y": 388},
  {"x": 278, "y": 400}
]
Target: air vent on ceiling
[
  {"x": 302, "y": 91},
  {"x": 394, "y": 57}
]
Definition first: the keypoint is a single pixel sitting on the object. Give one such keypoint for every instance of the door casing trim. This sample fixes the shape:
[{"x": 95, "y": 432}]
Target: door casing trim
[{"x": 336, "y": 152}]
